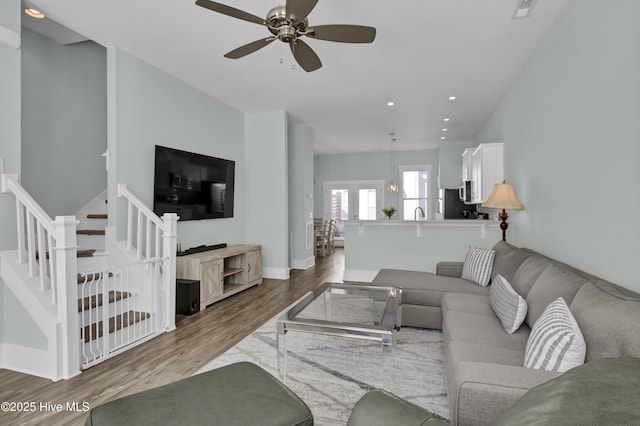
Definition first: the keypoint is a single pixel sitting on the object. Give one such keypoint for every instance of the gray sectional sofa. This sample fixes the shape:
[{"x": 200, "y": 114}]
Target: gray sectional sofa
[{"x": 485, "y": 365}]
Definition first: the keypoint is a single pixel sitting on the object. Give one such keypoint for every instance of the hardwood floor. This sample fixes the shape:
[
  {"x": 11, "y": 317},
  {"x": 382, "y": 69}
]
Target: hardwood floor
[{"x": 198, "y": 339}]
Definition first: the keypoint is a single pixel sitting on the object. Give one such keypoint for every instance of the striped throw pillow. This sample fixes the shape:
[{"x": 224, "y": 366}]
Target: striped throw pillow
[
  {"x": 556, "y": 342},
  {"x": 509, "y": 306},
  {"x": 478, "y": 265}
]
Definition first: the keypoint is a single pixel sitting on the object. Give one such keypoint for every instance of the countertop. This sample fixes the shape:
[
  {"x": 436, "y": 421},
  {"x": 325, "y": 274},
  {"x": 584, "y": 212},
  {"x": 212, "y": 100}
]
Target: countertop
[{"x": 433, "y": 222}]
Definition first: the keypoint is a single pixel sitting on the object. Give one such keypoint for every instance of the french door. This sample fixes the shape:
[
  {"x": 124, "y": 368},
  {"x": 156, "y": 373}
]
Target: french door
[{"x": 352, "y": 200}]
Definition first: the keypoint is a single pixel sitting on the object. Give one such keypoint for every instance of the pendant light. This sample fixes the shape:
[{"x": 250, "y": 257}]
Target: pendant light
[{"x": 393, "y": 186}]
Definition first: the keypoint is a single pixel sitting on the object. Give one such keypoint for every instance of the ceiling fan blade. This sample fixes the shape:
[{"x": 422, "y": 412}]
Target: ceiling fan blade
[
  {"x": 248, "y": 48},
  {"x": 300, "y": 8},
  {"x": 230, "y": 11},
  {"x": 343, "y": 33},
  {"x": 305, "y": 56}
]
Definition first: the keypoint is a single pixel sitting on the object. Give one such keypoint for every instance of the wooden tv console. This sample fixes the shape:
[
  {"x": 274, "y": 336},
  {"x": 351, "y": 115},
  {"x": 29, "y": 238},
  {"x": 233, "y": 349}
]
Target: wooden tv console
[{"x": 222, "y": 272}]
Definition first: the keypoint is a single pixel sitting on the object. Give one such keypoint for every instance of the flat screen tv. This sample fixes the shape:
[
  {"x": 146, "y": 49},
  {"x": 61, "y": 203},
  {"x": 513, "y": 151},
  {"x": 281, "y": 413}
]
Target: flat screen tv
[{"x": 194, "y": 186}]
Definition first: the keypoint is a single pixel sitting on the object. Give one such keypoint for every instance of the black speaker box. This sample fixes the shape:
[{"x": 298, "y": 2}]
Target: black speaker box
[{"x": 187, "y": 296}]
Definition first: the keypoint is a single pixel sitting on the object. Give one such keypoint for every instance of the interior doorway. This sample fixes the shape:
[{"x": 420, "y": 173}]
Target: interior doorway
[{"x": 352, "y": 200}]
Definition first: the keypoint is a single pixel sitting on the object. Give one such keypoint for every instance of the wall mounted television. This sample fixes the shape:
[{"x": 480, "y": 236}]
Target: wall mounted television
[{"x": 194, "y": 186}]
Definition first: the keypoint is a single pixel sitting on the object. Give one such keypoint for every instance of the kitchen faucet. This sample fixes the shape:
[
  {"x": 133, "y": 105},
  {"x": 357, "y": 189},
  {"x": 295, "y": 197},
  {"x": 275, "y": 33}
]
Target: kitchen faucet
[{"x": 415, "y": 213}]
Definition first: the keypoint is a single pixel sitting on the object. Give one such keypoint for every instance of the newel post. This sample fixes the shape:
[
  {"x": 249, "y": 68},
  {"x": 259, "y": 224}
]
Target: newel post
[
  {"x": 66, "y": 261},
  {"x": 169, "y": 242}
]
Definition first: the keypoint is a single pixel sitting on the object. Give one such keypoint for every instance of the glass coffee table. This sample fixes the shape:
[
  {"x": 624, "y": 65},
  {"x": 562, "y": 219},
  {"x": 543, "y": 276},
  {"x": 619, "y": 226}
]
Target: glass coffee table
[{"x": 345, "y": 310}]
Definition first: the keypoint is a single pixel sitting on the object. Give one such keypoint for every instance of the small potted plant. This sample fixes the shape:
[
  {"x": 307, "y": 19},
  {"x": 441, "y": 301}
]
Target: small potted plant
[{"x": 389, "y": 211}]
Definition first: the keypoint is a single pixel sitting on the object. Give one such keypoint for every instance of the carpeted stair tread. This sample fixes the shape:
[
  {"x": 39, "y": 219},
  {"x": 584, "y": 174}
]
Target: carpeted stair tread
[
  {"x": 118, "y": 322},
  {"x": 92, "y": 302},
  {"x": 81, "y": 253},
  {"x": 90, "y": 232},
  {"x": 97, "y": 216}
]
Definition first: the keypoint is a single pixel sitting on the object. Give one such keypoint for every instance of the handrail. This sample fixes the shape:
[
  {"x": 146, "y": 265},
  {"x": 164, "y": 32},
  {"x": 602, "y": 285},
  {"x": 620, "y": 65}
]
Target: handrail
[
  {"x": 36, "y": 211},
  {"x": 150, "y": 236},
  {"x": 123, "y": 191},
  {"x": 51, "y": 257}
]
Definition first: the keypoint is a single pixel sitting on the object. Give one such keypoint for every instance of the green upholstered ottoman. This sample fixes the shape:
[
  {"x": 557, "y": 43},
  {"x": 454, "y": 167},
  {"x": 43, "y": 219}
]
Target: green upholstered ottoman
[
  {"x": 238, "y": 394},
  {"x": 381, "y": 408}
]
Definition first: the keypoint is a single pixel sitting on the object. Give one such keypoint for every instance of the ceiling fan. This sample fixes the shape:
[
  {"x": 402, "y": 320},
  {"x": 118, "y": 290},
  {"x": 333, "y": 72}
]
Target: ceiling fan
[{"x": 288, "y": 23}]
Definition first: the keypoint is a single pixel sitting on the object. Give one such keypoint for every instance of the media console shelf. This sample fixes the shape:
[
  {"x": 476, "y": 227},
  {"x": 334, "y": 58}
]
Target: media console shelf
[{"x": 222, "y": 272}]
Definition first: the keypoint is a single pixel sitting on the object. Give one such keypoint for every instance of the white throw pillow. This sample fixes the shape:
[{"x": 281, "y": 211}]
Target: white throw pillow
[
  {"x": 509, "y": 306},
  {"x": 478, "y": 265},
  {"x": 556, "y": 342}
]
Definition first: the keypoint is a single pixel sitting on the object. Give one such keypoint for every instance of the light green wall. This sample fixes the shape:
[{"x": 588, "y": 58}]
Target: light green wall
[
  {"x": 147, "y": 107},
  {"x": 450, "y": 164},
  {"x": 9, "y": 144},
  {"x": 300, "y": 189},
  {"x": 64, "y": 122},
  {"x": 571, "y": 128},
  {"x": 370, "y": 166},
  {"x": 266, "y": 213},
  {"x": 398, "y": 245},
  {"x": 16, "y": 326}
]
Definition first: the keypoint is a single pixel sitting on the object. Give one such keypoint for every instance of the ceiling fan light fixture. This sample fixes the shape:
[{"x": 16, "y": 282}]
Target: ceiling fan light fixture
[
  {"x": 289, "y": 24},
  {"x": 34, "y": 13}
]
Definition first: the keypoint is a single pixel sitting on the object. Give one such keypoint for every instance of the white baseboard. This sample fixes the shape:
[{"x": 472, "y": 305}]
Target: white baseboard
[
  {"x": 275, "y": 273},
  {"x": 303, "y": 263},
  {"x": 359, "y": 275},
  {"x": 35, "y": 362}
]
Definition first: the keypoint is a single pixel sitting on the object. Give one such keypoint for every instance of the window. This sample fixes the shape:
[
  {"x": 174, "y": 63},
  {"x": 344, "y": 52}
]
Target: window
[
  {"x": 356, "y": 200},
  {"x": 416, "y": 191}
]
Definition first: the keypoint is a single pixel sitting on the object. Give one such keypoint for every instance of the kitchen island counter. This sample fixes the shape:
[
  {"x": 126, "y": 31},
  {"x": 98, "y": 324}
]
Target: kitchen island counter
[{"x": 371, "y": 245}]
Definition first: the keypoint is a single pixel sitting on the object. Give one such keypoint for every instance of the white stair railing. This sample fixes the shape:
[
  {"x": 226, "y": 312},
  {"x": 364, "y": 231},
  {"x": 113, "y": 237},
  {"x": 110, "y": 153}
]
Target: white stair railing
[
  {"x": 48, "y": 248},
  {"x": 151, "y": 237}
]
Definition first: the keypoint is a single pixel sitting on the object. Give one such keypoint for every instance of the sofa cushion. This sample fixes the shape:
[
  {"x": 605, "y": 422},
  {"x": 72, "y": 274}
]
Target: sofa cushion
[
  {"x": 480, "y": 391},
  {"x": 507, "y": 260},
  {"x": 527, "y": 274},
  {"x": 484, "y": 329},
  {"x": 478, "y": 352},
  {"x": 416, "y": 291},
  {"x": 381, "y": 408},
  {"x": 237, "y": 394},
  {"x": 609, "y": 317},
  {"x": 478, "y": 265},
  {"x": 509, "y": 306},
  {"x": 604, "y": 392},
  {"x": 555, "y": 342},
  {"x": 472, "y": 303},
  {"x": 554, "y": 282}
]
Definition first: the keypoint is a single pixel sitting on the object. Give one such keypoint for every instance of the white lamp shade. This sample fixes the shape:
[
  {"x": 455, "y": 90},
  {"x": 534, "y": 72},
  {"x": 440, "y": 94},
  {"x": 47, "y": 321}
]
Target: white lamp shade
[{"x": 503, "y": 196}]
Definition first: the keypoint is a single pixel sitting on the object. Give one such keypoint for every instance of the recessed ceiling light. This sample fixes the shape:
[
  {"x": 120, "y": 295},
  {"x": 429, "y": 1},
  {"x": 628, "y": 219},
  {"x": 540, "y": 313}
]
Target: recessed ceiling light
[
  {"x": 452, "y": 98},
  {"x": 446, "y": 119},
  {"x": 34, "y": 13},
  {"x": 442, "y": 137},
  {"x": 444, "y": 130},
  {"x": 524, "y": 8},
  {"x": 391, "y": 103}
]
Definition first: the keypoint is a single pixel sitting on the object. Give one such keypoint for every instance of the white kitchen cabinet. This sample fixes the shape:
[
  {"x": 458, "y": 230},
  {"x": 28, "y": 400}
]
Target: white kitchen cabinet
[
  {"x": 487, "y": 169},
  {"x": 467, "y": 164}
]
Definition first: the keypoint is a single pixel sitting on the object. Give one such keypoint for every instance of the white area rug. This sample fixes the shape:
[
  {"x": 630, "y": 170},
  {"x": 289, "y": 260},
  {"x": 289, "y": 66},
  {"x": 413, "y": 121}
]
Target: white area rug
[{"x": 331, "y": 373}]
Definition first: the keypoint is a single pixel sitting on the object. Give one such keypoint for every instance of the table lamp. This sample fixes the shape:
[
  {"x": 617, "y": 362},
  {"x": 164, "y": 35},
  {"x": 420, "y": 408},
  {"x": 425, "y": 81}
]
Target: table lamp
[{"x": 503, "y": 197}]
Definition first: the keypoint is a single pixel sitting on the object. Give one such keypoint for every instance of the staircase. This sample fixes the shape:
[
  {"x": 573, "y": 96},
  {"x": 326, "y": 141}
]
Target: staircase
[{"x": 91, "y": 295}]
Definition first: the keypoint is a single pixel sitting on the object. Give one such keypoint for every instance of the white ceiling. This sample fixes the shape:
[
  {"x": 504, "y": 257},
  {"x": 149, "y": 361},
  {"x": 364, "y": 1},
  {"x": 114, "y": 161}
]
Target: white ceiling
[{"x": 424, "y": 52}]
